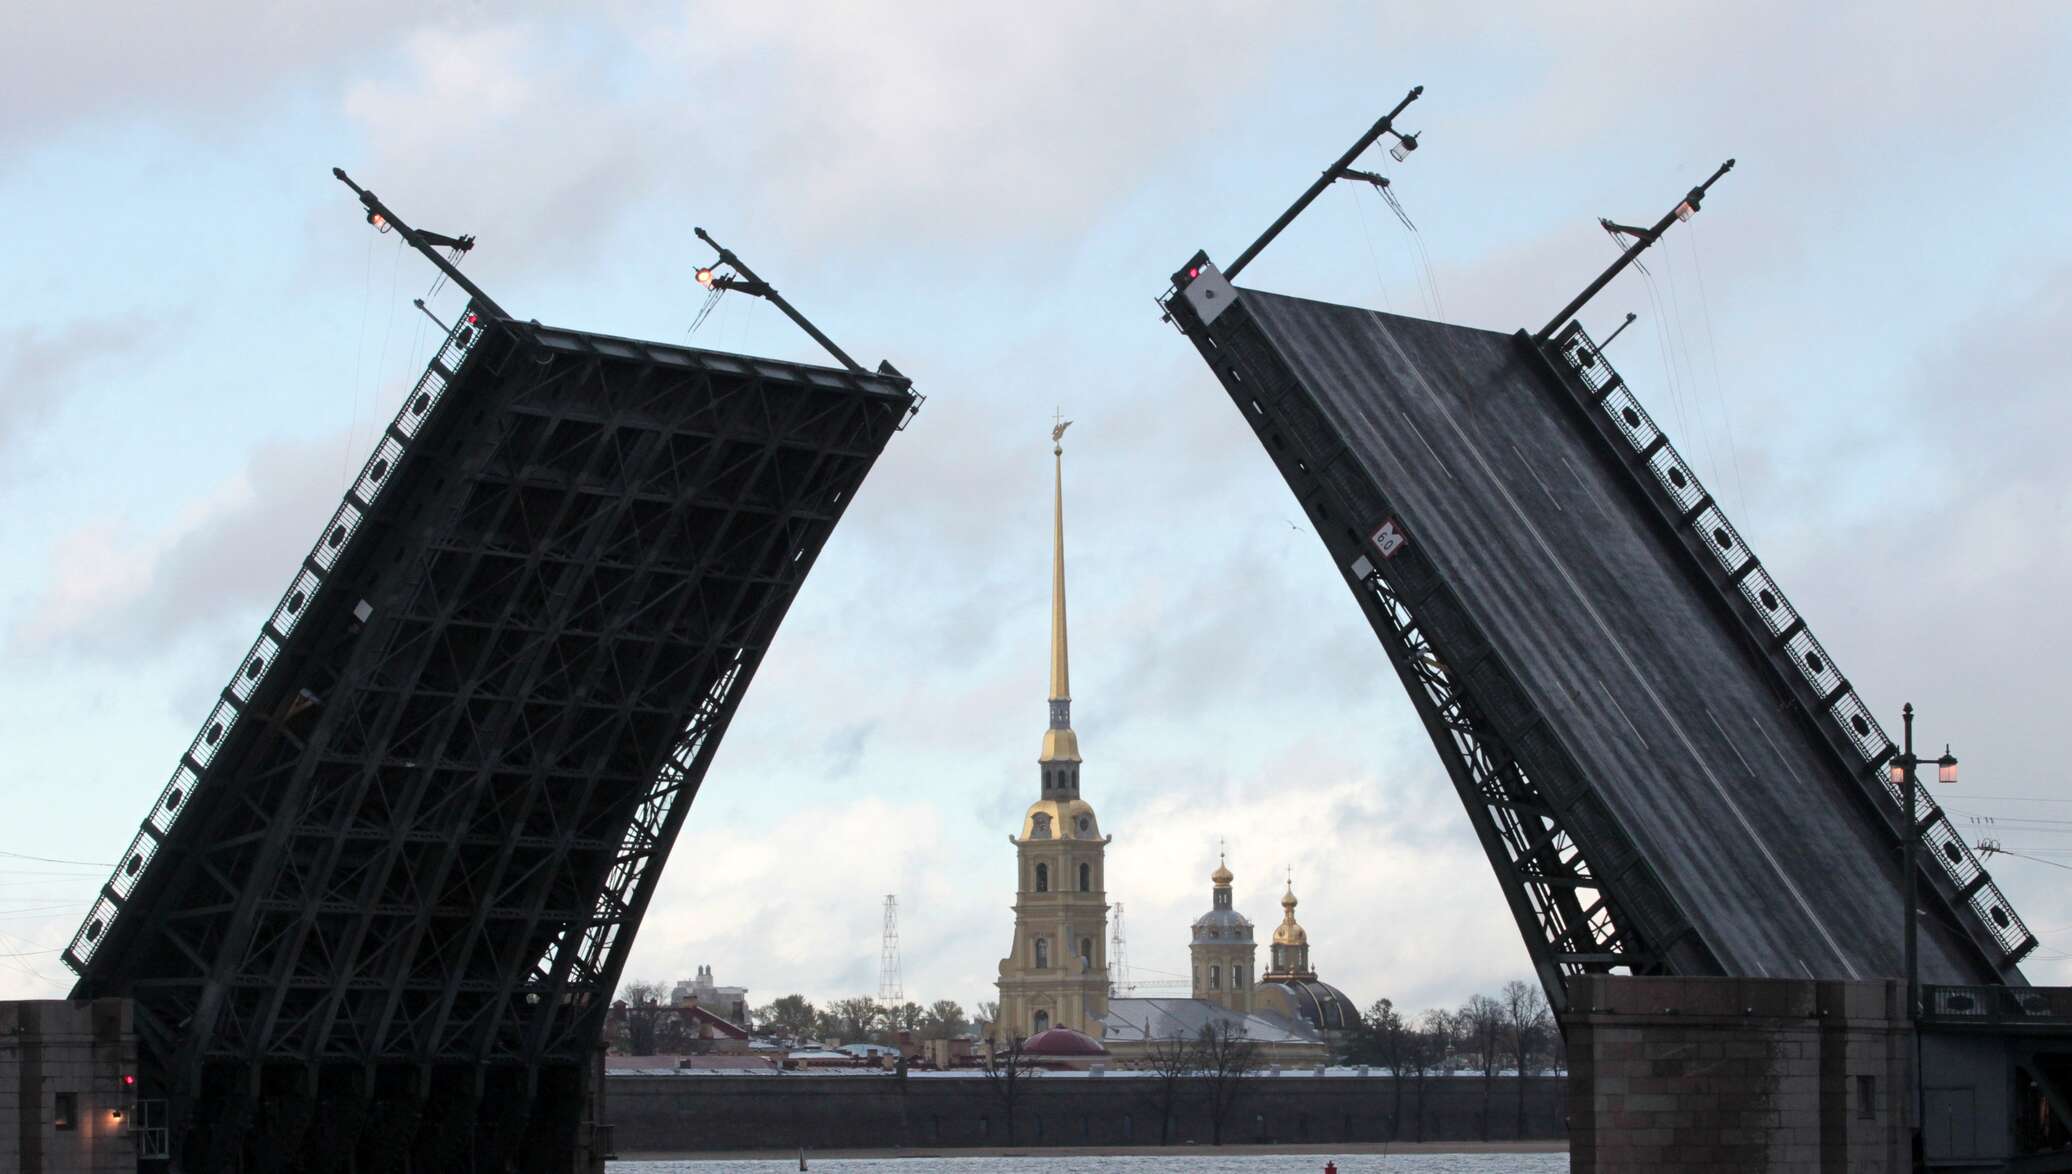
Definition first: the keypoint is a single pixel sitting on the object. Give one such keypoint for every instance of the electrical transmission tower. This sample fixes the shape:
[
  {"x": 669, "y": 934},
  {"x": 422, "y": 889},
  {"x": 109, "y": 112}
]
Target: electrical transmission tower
[
  {"x": 1118, "y": 960},
  {"x": 890, "y": 992}
]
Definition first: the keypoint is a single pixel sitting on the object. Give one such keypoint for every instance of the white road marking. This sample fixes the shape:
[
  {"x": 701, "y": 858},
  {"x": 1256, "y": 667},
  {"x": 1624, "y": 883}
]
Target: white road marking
[
  {"x": 1622, "y": 713},
  {"x": 1611, "y": 640},
  {"x": 1536, "y": 479},
  {"x": 1572, "y": 472},
  {"x": 1408, "y": 423}
]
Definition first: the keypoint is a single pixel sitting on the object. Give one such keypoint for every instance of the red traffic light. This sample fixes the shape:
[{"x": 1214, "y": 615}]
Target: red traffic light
[
  {"x": 1193, "y": 271},
  {"x": 471, "y": 318},
  {"x": 129, "y": 1080}
]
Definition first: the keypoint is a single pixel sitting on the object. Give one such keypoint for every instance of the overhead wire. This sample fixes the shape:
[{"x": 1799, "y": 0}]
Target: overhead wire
[
  {"x": 2036, "y": 859},
  {"x": 387, "y": 332},
  {"x": 1424, "y": 256},
  {"x": 54, "y": 860},
  {"x": 1681, "y": 349},
  {"x": 1718, "y": 384},
  {"x": 1373, "y": 258},
  {"x": 345, "y": 456},
  {"x": 1658, "y": 320},
  {"x": 712, "y": 297},
  {"x": 1661, "y": 327}
]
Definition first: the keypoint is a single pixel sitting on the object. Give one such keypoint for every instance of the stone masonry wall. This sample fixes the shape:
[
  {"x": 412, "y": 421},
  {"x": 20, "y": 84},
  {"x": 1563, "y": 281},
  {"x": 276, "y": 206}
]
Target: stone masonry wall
[
  {"x": 664, "y": 1113},
  {"x": 1741, "y": 1075}
]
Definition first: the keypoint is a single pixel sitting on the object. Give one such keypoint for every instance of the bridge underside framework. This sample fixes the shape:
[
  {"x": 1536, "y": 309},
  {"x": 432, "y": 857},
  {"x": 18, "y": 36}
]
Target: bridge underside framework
[
  {"x": 1667, "y": 771},
  {"x": 374, "y": 919}
]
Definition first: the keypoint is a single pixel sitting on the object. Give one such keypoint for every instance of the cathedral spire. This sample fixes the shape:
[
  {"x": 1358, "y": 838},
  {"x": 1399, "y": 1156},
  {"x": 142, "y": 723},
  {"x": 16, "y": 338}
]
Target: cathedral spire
[
  {"x": 1060, "y": 744},
  {"x": 1060, "y": 662}
]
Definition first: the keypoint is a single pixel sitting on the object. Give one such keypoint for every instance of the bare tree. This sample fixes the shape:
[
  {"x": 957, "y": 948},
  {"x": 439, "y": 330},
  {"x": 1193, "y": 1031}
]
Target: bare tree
[
  {"x": 1527, "y": 1024},
  {"x": 1170, "y": 1061},
  {"x": 1007, "y": 1068},
  {"x": 643, "y": 1012},
  {"x": 1481, "y": 1021},
  {"x": 1430, "y": 1051},
  {"x": 1227, "y": 1059},
  {"x": 1385, "y": 1033}
]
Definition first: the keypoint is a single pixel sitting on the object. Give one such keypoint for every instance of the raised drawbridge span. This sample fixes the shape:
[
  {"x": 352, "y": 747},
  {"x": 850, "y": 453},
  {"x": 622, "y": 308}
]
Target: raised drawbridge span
[
  {"x": 374, "y": 918},
  {"x": 1668, "y": 772}
]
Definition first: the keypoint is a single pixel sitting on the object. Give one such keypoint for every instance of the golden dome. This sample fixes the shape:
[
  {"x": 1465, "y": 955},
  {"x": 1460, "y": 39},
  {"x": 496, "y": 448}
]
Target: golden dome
[
  {"x": 1060, "y": 746},
  {"x": 1222, "y": 876},
  {"x": 1061, "y": 819},
  {"x": 1288, "y": 932}
]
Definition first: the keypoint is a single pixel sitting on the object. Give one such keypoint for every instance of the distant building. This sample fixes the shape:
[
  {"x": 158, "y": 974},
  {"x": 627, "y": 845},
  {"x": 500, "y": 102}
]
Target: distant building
[
  {"x": 1290, "y": 986},
  {"x": 1056, "y": 970},
  {"x": 728, "y": 1002},
  {"x": 1054, "y": 983},
  {"x": 1225, "y": 998}
]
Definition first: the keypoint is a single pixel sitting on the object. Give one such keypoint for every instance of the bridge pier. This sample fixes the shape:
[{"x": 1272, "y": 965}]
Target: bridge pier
[
  {"x": 1738, "y": 1074},
  {"x": 1776, "y": 1074}
]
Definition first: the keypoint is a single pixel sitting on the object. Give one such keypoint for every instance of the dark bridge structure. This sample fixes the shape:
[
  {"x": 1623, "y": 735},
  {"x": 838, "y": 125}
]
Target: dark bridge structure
[
  {"x": 1669, "y": 774},
  {"x": 374, "y": 919}
]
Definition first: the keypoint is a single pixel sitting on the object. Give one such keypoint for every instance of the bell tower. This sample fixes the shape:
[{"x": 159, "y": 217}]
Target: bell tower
[
  {"x": 1223, "y": 948},
  {"x": 1056, "y": 970},
  {"x": 1288, "y": 957}
]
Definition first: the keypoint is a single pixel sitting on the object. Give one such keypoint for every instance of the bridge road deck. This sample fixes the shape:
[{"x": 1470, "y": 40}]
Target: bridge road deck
[{"x": 1750, "y": 823}]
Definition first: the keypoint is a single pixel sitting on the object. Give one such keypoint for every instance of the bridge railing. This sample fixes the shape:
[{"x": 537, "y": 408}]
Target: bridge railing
[
  {"x": 1997, "y": 1005},
  {"x": 1836, "y": 701},
  {"x": 193, "y": 771}
]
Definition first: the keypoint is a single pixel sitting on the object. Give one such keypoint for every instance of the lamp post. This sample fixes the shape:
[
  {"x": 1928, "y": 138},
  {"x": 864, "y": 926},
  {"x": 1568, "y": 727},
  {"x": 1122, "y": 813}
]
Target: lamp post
[
  {"x": 1901, "y": 772},
  {"x": 1902, "y": 776}
]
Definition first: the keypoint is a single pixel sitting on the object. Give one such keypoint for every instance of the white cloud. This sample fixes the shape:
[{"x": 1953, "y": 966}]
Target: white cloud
[
  {"x": 113, "y": 586},
  {"x": 947, "y": 140}
]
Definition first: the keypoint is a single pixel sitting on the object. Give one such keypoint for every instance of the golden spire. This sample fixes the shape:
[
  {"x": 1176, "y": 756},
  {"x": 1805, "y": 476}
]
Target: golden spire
[
  {"x": 1060, "y": 744},
  {"x": 1060, "y": 667}
]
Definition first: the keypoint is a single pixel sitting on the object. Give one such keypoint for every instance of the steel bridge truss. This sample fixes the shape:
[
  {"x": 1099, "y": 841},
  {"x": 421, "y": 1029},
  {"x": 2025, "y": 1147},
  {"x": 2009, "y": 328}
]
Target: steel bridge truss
[{"x": 397, "y": 872}]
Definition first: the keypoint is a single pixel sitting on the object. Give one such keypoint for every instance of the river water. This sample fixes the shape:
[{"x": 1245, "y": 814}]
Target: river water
[{"x": 1194, "y": 1163}]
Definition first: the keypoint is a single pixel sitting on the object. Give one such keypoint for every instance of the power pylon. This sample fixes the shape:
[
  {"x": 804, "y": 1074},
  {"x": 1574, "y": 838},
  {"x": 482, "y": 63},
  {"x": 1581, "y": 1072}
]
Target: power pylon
[
  {"x": 1118, "y": 960},
  {"x": 890, "y": 992}
]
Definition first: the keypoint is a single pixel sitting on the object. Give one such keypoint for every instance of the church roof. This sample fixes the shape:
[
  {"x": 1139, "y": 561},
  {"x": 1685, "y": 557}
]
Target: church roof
[
  {"x": 1063, "y": 818},
  {"x": 1062, "y": 1041},
  {"x": 1142, "y": 1020},
  {"x": 1319, "y": 1004},
  {"x": 1222, "y": 924}
]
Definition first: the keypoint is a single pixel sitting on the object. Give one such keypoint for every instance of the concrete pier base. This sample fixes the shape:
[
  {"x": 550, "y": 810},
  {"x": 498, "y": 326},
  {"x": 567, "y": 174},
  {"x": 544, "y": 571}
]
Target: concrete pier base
[{"x": 1741, "y": 1075}]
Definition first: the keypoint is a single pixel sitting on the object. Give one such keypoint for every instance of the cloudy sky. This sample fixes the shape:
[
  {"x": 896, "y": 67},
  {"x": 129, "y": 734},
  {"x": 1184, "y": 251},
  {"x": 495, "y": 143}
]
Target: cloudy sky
[{"x": 1860, "y": 344}]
